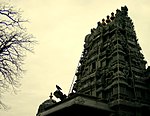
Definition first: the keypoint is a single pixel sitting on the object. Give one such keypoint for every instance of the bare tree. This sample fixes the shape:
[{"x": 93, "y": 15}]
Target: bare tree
[{"x": 14, "y": 42}]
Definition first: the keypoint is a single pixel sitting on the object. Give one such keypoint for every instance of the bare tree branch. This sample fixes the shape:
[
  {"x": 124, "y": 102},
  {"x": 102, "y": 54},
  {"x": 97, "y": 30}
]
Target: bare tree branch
[{"x": 14, "y": 43}]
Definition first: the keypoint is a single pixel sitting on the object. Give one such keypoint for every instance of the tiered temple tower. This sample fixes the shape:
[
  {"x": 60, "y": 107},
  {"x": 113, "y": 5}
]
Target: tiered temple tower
[
  {"x": 112, "y": 67},
  {"x": 112, "y": 78}
]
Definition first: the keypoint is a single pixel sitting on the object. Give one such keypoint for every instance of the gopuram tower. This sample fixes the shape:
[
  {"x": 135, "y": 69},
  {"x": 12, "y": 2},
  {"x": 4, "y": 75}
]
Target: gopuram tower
[
  {"x": 111, "y": 79},
  {"x": 112, "y": 67}
]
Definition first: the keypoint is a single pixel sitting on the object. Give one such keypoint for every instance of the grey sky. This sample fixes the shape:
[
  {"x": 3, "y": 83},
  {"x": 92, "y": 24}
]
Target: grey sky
[{"x": 60, "y": 26}]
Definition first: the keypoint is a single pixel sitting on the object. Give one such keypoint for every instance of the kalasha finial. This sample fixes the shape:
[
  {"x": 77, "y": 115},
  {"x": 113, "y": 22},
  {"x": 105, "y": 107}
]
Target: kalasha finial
[
  {"x": 108, "y": 19},
  {"x": 112, "y": 16},
  {"x": 51, "y": 95},
  {"x": 124, "y": 10},
  {"x": 99, "y": 23},
  {"x": 103, "y": 22}
]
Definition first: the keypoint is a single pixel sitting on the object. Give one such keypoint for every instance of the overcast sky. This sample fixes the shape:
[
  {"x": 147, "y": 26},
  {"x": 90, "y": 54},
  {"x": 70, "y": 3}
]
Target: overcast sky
[{"x": 60, "y": 27}]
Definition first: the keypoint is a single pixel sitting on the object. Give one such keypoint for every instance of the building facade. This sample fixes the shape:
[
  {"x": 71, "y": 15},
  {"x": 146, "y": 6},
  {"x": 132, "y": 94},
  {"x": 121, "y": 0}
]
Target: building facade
[{"x": 112, "y": 68}]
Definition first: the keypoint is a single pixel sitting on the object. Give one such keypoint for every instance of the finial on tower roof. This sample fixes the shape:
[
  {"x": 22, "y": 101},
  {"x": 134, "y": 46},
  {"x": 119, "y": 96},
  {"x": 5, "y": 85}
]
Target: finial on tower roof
[
  {"x": 124, "y": 10},
  {"x": 112, "y": 16},
  {"x": 108, "y": 19},
  {"x": 51, "y": 95},
  {"x": 99, "y": 23},
  {"x": 103, "y": 22}
]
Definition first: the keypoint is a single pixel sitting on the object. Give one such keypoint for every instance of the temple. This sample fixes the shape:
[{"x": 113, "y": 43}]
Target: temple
[{"x": 112, "y": 77}]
